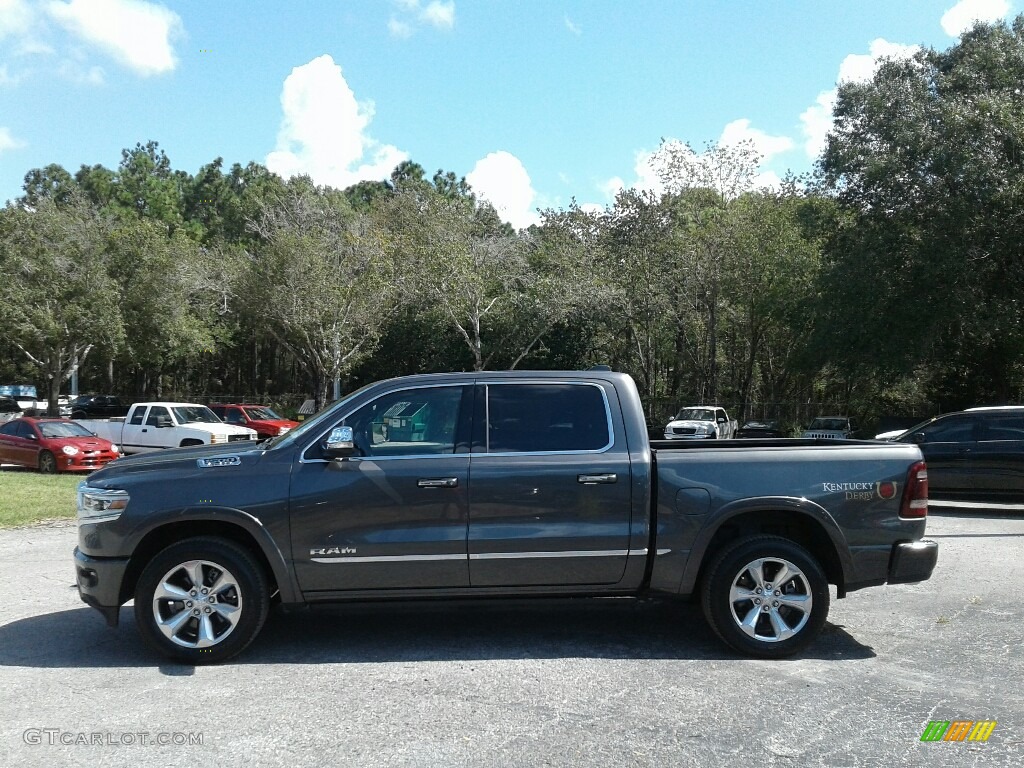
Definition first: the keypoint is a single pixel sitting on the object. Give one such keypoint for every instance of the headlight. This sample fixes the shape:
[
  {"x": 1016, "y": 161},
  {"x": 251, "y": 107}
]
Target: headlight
[
  {"x": 69, "y": 450},
  {"x": 705, "y": 429},
  {"x": 98, "y": 505}
]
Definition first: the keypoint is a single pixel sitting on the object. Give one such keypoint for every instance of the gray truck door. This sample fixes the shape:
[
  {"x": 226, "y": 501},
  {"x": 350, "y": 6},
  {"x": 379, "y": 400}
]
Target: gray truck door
[
  {"x": 549, "y": 486},
  {"x": 396, "y": 517}
]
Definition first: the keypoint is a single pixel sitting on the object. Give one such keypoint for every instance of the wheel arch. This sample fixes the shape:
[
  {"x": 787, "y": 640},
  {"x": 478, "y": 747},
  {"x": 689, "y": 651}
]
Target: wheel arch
[
  {"x": 238, "y": 528},
  {"x": 795, "y": 519}
]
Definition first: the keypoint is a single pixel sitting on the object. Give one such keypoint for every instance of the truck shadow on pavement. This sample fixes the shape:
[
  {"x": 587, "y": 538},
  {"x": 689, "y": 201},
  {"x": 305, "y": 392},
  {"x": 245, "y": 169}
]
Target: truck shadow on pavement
[{"x": 409, "y": 632}]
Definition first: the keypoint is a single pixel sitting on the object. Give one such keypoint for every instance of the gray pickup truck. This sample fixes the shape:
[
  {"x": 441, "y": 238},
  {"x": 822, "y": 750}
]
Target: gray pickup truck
[{"x": 496, "y": 484}]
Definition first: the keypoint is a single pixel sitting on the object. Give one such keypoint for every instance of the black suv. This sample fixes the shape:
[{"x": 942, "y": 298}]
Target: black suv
[
  {"x": 973, "y": 455},
  {"x": 97, "y": 407}
]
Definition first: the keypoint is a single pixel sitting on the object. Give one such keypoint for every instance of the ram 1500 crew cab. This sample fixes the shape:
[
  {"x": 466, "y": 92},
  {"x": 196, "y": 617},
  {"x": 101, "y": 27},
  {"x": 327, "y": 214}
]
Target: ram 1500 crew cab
[{"x": 497, "y": 484}]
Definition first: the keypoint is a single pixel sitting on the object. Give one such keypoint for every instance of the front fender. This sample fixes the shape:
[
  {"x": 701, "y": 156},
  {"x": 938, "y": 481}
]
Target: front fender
[{"x": 203, "y": 520}]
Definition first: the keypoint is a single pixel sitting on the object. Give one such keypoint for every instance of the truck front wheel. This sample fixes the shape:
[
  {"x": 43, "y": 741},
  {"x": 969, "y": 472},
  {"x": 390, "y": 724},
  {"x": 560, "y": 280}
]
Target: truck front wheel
[
  {"x": 201, "y": 600},
  {"x": 766, "y": 596}
]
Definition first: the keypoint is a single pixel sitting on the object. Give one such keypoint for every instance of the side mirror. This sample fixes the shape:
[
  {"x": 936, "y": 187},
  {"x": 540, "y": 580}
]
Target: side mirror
[
  {"x": 721, "y": 420},
  {"x": 163, "y": 421},
  {"x": 340, "y": 443},
  {"x": 917, "y": 437}
]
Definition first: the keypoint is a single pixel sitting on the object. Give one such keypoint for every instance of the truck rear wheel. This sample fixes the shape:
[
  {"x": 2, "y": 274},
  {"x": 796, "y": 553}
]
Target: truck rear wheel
[
  {"x": 766, "y": 596},
  {"x": 201, "y": 600}
]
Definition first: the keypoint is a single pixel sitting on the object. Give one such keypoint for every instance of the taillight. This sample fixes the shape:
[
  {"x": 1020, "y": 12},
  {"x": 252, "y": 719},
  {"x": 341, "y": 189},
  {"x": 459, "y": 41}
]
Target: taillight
[{"x": 915, "y": 495}]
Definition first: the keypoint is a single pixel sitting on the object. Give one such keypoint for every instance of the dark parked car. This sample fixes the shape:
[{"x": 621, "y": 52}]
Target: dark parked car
[
  {"x": 973, "y": 455},
  {"x": 760, "y": 429},
  {"x": 97, "y": 407},
  {"x": 9, "y": 409}
]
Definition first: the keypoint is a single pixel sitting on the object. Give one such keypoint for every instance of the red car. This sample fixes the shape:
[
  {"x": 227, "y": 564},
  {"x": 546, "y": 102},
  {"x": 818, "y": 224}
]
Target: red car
[
  {"x": 258, "y": 417},
  {"x": 53, "y": 445}
]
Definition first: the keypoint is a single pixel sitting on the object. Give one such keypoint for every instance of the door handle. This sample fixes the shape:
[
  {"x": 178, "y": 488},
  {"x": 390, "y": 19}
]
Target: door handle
[
  {"x": 607, "y": 477},
  {"x": 438, "y": 482}
]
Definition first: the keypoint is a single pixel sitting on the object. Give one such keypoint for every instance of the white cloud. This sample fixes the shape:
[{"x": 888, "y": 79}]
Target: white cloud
[
  {"x": 399, "y": 29},
  {"x": 133, "y": 32},
  {"x": 324, "y": 130},
  {"x": 7, "y": 141},
  {"x": 734, "y": 133},
  {"x": 439, "y": 14},
  {"x": 412, "y": 13},
  {"x": 501, "y": 179},
  {"x": 767, "y": 146},
  {"x": 817, "y": 122},
  {"x": 861, "y": 67},
  {"x": 573, "y": 26},
  {"x": 961, "y": 17},
  {"x": 15, "y": 18}
]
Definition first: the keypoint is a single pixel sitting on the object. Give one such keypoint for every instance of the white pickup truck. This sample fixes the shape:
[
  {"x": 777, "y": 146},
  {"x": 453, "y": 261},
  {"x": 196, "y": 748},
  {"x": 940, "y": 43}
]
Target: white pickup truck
[
  {"x": 708, "y": 422},
  {"x": 155, "y": 426}
]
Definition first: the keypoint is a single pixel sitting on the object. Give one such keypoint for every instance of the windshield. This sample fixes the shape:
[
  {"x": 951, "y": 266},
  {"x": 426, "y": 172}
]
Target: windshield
[
  {"x": 262, "y": 414},
  {"x": 696, "y": 414},
  {"x": 192, "y": 414},
  {"x": 63, "y": 429}
]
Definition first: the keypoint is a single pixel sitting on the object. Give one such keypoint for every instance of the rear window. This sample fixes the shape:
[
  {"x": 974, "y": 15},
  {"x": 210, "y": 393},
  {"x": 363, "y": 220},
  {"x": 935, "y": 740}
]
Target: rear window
[{"x": 533, "y": 418}]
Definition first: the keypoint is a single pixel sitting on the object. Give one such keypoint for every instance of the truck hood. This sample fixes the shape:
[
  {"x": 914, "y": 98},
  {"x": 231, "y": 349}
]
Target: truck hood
[{"x": 172, "y": 458}]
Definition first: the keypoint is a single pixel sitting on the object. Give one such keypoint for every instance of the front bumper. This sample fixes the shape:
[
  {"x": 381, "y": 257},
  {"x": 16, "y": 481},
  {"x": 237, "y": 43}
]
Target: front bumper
[
  {"x": 99, "y": 583},
  {"x": 913, "y": 561}
]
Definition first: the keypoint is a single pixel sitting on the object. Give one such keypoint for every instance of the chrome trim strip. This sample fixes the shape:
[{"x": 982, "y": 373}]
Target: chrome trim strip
[
  {"x": 478, "y": 556},
  {"x": 641, "y": 552},
  {"x": 663, "y": 551},
  {"x": 387, "y": 559},
  {"x": 531, "y": 555}
]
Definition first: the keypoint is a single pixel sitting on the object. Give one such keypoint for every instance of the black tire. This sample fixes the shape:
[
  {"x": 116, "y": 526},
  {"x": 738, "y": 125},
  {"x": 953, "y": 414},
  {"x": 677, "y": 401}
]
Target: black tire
[
  {"x": 47, "y": 463},
  {"x": 187, "y": 443},
  {"x": 198, "y": 628},
  {"x": 798, "y": 605}
]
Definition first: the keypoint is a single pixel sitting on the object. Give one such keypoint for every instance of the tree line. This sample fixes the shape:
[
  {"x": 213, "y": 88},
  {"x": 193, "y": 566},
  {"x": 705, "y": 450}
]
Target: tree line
[{"x": 889, "y": 281}]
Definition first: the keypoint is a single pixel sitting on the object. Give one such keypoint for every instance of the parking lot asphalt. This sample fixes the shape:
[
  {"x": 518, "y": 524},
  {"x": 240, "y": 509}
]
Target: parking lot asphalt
[{"x": 581, "y": 682}]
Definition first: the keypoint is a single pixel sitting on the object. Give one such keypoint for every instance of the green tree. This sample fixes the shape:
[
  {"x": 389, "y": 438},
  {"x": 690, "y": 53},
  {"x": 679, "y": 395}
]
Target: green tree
[
  {"x": 56, "y": 288},
  {"x": 929, "y": 159},
  {"x": 323, "y": 280}
]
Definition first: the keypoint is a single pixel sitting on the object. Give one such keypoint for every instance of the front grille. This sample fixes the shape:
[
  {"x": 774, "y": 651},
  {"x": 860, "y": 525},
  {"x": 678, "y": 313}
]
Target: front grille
[
  {"x": 823, "y": 436},
  {"x": 684, "y": 430},
  {"x": 236, "y": 438}
]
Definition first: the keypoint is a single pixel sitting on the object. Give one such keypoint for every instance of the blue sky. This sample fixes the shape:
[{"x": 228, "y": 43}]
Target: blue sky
[{"x": 537, "y": 102}]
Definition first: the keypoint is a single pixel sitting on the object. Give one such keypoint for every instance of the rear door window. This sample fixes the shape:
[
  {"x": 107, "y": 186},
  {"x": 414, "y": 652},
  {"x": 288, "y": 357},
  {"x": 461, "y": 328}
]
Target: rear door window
[
  {"x": 1003, "y": 426},
  {"x": 544, "y": 418}
]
